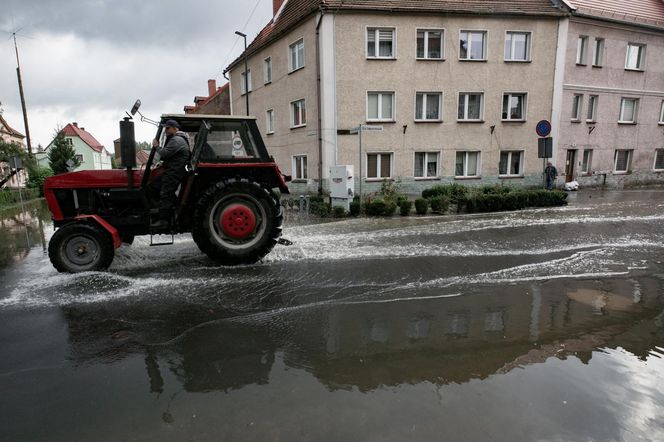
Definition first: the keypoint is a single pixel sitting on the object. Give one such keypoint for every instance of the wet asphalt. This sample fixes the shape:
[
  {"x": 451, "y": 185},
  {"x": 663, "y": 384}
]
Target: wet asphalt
[{"x": 543, "y": 324}]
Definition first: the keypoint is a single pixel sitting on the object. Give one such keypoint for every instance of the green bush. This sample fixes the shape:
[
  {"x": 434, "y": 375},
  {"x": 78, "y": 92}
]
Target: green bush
[
  {"x": 421, "y": 206},
  {"x": 402, "y": 199},
  {"x": 9, "y": 197},
  {"x": 514, "y": 200},
  {"x": 547, "y": 198},
  {"x": 390, "y": 208},
  {"x": 405, "y": 207},
  {"x": 455, "y": 192},
  {"x": 338, "y": 212},
  {"x": 439, "y": 204},
  {"x": 375, "y": 207},
  {"x": 320, "y": 208},
  {"x": 355, "y": 208},
  {"x": 36, "y": 177}
]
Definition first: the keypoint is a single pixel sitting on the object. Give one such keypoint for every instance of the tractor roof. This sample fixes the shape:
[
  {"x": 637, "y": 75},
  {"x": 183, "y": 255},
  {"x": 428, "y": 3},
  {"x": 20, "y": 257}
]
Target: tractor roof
[{"x": 198, "y": 117}]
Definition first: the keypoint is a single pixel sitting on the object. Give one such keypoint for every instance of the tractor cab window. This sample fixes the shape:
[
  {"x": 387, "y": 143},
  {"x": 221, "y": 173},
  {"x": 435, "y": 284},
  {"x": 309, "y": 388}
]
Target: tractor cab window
[{"x": 229, "y": 141}]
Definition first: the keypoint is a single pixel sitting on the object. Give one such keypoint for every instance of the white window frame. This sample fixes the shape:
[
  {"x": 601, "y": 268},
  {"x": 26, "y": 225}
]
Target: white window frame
[
  {"x": 426, "y": 43},
  {"x": 378, "y": 166},
  {"x": 661, "y": 113},
  {"x": 425, "y": 175},
  {"x": 465, "y": 108},
  {"x": 465, "y": 164},
  {"x": 510, "y": 153},
  {"x": 304, "y": 169},
  {"x": 267, "y": 70},
  {"x": 622, "y": 108},
  {"x": 380, "y": 105},
  {"x": 295, "y": 44},
  {"x": 654, "y": 166},
  {"x": 577, "y": 107},
  {"x": 582, "y": 50},
  {"x": 593, "y": 101},
  {"x": 269, "y": 121},
  {"x": 588, "y": 165},
  {"x": 630, "y": 153},
  {"x": 524, "y": 105},
  {"x": 376, "y": 30},
  {"x": 529, "y": 39},
  {"x": 598, "y": 53},
  {"x": 247, "y": 84},
  {"x": 485, "y": 44},
  {"x": 292, "y": 113},
  {"x": 641, "y": 63},
  {"x": 425, "y": 99},
  {"x": 69, "y": 142}
]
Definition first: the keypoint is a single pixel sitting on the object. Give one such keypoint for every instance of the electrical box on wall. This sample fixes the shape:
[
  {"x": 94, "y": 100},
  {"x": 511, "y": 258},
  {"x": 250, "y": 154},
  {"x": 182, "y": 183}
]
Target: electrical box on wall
[{"x": 342, "y": 185}]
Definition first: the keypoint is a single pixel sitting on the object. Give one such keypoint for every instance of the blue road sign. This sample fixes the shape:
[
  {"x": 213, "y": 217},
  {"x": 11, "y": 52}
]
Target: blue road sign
[{"x": 543, "y": 128}]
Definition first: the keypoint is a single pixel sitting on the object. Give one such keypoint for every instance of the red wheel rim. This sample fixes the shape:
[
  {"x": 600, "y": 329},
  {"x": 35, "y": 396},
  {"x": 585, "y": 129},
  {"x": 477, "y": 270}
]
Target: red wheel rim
[{"x": 238, "y": 221}]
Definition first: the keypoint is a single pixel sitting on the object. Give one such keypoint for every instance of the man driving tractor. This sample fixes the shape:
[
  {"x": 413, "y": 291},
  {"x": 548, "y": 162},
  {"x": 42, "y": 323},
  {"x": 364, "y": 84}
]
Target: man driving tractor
[{"x": 175, "y": 155}]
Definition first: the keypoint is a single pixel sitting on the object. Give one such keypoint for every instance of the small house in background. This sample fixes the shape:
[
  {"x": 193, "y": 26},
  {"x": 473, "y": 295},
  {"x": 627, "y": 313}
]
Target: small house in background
[
  {"x": 218, "y": 101},
  {"x": 142, "y": 155},
  {"x": 91, "y": 153},
  {"x": 10, "y": 135}
]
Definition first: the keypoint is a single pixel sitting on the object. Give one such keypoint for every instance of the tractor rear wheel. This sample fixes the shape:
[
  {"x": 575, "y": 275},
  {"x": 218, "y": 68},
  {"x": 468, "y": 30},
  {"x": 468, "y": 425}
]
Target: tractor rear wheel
[
  {"x": 237, "y": 222},
  {"x": 81, "y": 248}
]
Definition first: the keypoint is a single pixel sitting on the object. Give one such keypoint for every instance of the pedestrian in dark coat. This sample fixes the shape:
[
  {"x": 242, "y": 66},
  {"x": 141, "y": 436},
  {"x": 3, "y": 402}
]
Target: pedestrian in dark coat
[{"x": 551, "y": 173}]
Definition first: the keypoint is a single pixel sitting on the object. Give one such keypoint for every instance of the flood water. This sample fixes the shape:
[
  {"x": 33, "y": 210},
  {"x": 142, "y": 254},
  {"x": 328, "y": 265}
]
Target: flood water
[{"x": 538, "y": 325}]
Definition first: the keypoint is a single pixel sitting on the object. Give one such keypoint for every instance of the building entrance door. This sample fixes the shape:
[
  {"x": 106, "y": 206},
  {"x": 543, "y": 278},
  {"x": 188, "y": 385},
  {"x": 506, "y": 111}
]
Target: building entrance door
[{"x": 569, "y": 165}]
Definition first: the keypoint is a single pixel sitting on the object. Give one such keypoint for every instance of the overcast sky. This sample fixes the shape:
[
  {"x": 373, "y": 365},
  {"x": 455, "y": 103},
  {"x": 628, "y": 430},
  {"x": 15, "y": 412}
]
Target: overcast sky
[{"x": 87, "y": 61}]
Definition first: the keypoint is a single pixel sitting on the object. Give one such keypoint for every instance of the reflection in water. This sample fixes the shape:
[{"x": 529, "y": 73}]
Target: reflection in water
[{"x": 20, "y": 230}]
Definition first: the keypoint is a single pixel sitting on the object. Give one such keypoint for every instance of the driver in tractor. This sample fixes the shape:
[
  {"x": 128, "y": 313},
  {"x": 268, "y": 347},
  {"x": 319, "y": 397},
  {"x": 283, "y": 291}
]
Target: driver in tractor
[{"x": 175, "y": 155}]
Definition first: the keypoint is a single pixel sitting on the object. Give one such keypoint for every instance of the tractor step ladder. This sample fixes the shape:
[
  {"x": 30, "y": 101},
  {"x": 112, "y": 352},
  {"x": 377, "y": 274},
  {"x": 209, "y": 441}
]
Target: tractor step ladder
[{"x": 164, "y": 243}]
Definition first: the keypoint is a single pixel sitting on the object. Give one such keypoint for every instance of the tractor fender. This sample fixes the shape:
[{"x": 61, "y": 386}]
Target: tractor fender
[{"x": 117, "y": 242}]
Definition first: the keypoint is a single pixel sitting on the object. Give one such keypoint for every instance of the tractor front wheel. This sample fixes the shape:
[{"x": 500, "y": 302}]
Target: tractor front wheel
[
  {"x": 81, "y": 248},
  {"x": 237, "y": 222}
]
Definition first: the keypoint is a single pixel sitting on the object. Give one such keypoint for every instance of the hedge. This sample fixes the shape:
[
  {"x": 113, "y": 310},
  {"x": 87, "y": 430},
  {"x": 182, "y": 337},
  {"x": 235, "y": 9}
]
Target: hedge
[
  {"x": 421, "y": 206},
  {"x": 514, "y": 200},
  {"x": 9, "y": 197},
  {"x": 439, "y": 204},
  {"x": 404, "y": 207}
]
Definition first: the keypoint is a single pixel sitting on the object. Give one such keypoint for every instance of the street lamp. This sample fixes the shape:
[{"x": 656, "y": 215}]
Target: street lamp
[{"x": 246, "y": 73}]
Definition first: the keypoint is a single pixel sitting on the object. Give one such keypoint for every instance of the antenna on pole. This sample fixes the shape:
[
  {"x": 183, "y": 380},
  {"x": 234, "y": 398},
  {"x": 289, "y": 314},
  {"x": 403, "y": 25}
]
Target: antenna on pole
[{"x": 20, "y": 90}]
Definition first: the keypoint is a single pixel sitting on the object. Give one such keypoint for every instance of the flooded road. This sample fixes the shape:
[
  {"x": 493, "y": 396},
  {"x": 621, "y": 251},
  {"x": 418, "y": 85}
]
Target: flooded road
[{"x": 537, "y": 325}]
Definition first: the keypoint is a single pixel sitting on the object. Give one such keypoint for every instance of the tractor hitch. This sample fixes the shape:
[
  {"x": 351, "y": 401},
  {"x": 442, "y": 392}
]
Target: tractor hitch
[{"x": 284, "y": 242}]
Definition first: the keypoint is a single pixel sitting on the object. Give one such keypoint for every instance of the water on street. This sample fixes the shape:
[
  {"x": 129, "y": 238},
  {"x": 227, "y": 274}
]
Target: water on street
[{"x": 543, "y": 324}]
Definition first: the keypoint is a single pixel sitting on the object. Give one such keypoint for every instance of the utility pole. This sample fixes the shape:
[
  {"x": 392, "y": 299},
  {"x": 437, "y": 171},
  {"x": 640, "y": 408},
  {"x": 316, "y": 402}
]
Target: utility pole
[
  {"x": 20, "y": 90},
  {"x": 246, "y": 71}
]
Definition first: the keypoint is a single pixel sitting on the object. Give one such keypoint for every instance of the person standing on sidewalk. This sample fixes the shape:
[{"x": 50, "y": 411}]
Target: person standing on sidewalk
[{"x": 551, "y": 173}]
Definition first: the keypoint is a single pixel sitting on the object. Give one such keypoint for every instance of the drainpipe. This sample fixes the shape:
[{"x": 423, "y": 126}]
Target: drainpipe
[{"x": 319, "y": 100}]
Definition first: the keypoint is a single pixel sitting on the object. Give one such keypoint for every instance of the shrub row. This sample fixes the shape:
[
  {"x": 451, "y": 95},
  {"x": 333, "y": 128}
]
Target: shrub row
[
  {"x": 9, "y": 197},
  {"x": 516, "y": 200}
]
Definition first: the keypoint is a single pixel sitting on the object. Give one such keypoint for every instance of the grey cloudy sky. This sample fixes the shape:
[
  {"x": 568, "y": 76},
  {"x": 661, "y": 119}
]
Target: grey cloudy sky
[{"x": 88, "y": 60}]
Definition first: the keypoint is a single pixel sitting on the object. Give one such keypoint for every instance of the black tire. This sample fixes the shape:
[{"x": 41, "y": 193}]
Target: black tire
[
  {"x": 80, "y": 247},
  {"x": 213, "y": 238}
]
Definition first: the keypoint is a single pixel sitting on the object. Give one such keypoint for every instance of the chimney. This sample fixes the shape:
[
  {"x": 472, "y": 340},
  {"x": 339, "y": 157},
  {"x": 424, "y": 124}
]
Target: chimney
[
  {"x": 276, "y": 4},
  {"x": 75, "y": 124},
  {"x": 212, "y": 87},
  {"x": 82, "y": 128}
]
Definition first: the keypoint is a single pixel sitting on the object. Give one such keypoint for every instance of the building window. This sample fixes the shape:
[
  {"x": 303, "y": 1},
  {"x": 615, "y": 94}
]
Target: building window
[
  {"x": 622, "y": 161},
  {"x": 511, "y": 163},
  {"x": 267, "y": 72},
  {"x": 472, "y": 45},
  {"x": 576, "y": 107},
  {"x": 517, "y": 46},
  {"x": 587, "y": 161},
  {"x": 659, "y": 160},
  {"x": 581, "y": 50},
  {"x": 514, "y": 107},
  {"x": 591, "y": 117},
  {"x": 69, "y": 142},
  {"x": 661, "y": 113},
  {"x": 598, "y": 53},
  {"x": 300, "y": 167},
  {"x": 470, "y": 106},
  {"x": 379, "y": 165},
  {"x": 246, "y": 83},
  {"x": 430, "y": 44},
  {"x": 426, "y": 164},
  {"x": 380, "y": 42},
  {"x": 380, "y": 106},
  {"x": 636, "y": 57},
  {"x": 628, "y": 108},
  {"x": 298, "y": 114},
  {"x": 269, "y": 121},
  {"x": 79, "y": 158},
  {"x": 467, "y": 164},
  {"x": 296, "y": 55},
  {"x": 427, "y": 106}
]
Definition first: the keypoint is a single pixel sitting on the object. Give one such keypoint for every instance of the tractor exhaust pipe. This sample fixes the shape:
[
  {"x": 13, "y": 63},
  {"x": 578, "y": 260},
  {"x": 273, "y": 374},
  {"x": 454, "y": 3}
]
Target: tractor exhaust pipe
[{"x": 128, "y": 149}]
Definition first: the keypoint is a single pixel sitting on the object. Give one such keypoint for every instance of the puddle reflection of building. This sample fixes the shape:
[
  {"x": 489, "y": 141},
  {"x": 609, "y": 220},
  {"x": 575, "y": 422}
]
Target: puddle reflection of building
[
  {"x": 21, "y": 228},
  {"x": 367, "y": 346}
]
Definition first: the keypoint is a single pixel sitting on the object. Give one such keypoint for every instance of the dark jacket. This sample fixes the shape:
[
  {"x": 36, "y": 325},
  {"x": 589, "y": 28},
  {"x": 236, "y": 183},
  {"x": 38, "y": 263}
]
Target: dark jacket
[
  {"x": 551, "y": 172},
  {"x": 174, "y": 145}
]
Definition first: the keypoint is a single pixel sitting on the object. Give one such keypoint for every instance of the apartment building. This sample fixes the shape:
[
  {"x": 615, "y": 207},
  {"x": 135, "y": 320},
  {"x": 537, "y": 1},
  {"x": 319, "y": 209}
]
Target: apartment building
[
  {"x": 612, "y": 108},
  {"x": 457, "y": 87}
]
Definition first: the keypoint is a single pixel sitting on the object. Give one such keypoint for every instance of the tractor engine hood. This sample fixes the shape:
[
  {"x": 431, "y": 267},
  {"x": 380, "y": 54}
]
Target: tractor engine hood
[{"x": 93, "y": 179}]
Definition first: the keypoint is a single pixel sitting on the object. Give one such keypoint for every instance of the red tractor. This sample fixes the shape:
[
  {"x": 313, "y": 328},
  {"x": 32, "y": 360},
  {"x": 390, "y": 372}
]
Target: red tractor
[{"x": 227, "y": 200}]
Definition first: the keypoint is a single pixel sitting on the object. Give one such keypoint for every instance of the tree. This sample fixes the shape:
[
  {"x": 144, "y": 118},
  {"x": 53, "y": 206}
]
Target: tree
[
  {"x": 9, "y": 150},
  {"x": 143, "y": 145},
  {"x": 61, "y": 152}
]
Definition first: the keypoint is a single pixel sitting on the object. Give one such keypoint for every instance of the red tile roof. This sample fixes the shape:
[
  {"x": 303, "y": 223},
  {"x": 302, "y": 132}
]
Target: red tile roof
[
  {"x": 294, "y": 11},
  {"x": 649, "y": 12},
  {"x": 10, "y": 130},
  {"x": 202, "y": 101},
  {"x": 142, "y": 157},
  {"x": 71, "y": 130}
]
